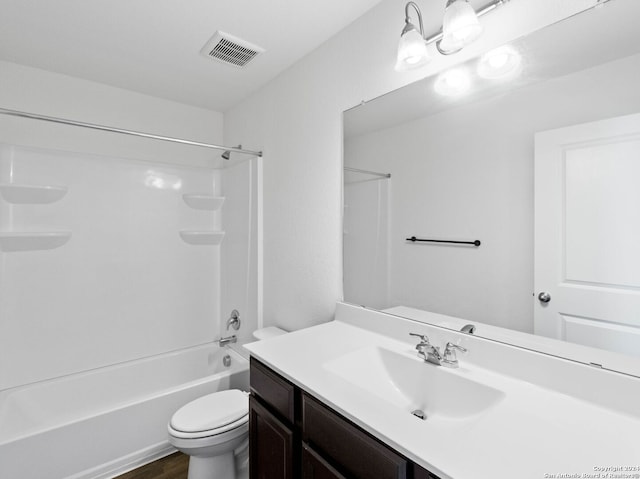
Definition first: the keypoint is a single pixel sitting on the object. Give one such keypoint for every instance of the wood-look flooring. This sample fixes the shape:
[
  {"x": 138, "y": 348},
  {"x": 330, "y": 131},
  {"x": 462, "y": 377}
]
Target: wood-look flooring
[{"x": 174, "y": 466}]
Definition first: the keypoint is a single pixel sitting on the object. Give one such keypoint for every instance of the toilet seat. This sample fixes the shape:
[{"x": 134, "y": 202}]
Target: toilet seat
[
  {"x": 241, "y": 425},
  {"x": 211, "y": 415}
]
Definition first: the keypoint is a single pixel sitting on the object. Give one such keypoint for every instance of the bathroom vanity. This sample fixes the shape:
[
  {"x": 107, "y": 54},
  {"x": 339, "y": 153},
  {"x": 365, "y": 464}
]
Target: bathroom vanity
[
  {"x": 339, "y": 400},
  {"x": 293, "y": 434}
]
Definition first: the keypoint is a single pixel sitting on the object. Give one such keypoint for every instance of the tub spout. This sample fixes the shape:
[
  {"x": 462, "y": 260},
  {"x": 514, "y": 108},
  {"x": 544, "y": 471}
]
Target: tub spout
[{"x": 229, "y": 339}]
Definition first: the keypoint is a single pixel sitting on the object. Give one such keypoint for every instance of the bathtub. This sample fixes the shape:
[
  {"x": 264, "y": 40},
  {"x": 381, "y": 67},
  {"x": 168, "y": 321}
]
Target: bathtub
[{"x": 101, "y": 423}]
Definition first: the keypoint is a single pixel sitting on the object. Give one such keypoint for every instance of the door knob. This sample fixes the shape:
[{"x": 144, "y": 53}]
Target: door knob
[{"x": 544, "y": 297}]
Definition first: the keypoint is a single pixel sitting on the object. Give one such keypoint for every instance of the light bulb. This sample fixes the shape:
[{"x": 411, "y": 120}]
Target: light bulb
[
  {"x": 412, "y": 51},
  {"x": 460, "y": 26}
]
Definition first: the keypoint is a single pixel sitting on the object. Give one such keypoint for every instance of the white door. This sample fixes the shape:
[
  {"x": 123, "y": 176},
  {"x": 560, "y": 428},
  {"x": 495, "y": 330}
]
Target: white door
[{"x": 587, "y": 234}]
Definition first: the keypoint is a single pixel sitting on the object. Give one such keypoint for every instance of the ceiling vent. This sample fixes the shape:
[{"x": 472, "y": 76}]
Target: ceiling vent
[{"x": 230, "y": 50}]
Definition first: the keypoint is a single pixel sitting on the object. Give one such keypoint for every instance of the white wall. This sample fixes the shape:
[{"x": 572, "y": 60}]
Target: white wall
[
  {"x": 467, "y": 173},
  {"x": 125, "y": 285},
  {"x": 297, "y": 120},
  {"x": 38, "y": 91}
]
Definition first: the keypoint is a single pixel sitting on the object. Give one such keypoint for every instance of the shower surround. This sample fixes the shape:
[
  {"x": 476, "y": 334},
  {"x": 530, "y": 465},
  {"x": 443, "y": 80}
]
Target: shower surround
[{"x": 108, "y": 262}]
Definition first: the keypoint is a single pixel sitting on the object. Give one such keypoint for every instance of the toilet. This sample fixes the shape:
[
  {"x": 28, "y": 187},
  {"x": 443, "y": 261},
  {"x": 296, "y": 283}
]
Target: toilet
[
  {"x": 214, "y": 430},
  {"x": 209, "y": 430}
]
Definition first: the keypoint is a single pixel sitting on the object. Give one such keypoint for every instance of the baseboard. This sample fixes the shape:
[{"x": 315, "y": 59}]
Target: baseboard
[{"x": 127, "y": 463}]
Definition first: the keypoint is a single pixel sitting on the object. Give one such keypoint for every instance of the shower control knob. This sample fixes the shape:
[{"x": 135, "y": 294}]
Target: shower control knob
[
  {"x": 234, "y": 320},
  {"x": 544, "y": 297}
]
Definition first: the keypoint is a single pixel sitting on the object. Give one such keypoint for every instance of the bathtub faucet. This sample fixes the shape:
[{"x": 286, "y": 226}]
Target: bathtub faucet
[{"x": 229, "y": 339}]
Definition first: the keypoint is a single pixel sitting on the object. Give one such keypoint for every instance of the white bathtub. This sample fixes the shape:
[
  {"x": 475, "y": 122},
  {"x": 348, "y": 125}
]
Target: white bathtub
[{"x": 101, "y": 423}]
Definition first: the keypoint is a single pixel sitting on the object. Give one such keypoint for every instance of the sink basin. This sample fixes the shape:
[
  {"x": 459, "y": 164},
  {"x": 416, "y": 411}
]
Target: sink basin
[{"x": 409, "y": 383}]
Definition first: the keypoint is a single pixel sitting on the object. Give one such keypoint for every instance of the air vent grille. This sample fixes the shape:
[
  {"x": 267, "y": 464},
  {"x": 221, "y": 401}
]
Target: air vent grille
[{"x": 231, "y": 50}]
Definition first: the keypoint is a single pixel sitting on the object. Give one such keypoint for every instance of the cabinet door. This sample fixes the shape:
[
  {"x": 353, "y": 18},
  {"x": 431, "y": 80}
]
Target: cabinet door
[
  {"x": 315, "y": 467},
  {"x": 271, "y": 445},
  {"x": 420, "y": 473},
  {"x": 273, "y": 389},
  {"x": 358, "y": 454}
]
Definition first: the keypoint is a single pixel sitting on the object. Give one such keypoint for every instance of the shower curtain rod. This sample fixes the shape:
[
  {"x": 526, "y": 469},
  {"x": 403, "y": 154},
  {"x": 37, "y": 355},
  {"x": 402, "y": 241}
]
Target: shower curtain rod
[
  {"x": 367, "y": 172},
  {"x": 63, "y": 121}
]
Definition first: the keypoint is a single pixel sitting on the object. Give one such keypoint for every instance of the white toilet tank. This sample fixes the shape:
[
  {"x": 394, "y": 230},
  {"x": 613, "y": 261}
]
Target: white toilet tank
[{"x": 268, "y": 332}]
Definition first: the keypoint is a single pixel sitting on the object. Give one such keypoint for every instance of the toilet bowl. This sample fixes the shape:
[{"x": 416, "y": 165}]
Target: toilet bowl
[{"x": 212, "y": 430}]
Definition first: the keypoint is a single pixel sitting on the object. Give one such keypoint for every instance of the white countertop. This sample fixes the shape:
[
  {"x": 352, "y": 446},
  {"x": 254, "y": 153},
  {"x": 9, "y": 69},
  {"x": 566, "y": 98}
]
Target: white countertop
[{"x": 533, "y": 432}]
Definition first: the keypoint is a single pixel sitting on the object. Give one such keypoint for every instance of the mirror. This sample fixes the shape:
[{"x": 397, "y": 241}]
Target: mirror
[{"x": 542, "y": 168}]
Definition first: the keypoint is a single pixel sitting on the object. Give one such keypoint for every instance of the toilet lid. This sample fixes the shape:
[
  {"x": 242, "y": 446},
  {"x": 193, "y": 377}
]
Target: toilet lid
[{"x": 212, "y": 411}]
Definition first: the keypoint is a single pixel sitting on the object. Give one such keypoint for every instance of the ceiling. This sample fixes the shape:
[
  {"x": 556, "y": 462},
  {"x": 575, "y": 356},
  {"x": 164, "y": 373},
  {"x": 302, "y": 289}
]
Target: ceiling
[{"x": 153, "y": 46}]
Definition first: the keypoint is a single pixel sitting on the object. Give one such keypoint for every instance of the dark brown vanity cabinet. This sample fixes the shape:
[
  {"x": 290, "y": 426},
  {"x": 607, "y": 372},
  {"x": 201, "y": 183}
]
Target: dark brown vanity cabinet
[
  {"x": 271, "y": 444},
  {"x": 274, "y": 441},
  {"x": 293, "y": 435}
]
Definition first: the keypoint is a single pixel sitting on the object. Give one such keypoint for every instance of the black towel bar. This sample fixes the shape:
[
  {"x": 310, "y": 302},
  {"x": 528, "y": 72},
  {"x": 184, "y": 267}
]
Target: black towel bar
[{"x": 414, "y": 239}]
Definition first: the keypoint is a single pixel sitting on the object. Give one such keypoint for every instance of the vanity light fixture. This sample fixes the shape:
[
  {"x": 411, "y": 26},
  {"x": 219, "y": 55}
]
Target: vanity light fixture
[
  {"x": 500, "y": 63},
  {"x": 460, "y": 28}
]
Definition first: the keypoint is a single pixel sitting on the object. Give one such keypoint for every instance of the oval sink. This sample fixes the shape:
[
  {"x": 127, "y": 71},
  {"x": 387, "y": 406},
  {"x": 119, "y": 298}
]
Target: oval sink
[{"x": 410, "y": 383}]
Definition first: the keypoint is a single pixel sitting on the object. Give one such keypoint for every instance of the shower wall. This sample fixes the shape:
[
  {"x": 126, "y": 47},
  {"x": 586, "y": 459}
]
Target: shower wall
[{"x": 119, "y": 282}]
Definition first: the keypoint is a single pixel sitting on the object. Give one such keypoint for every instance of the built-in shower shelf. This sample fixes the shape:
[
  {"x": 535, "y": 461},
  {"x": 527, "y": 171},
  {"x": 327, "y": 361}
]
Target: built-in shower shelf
[
  {"x": 33, "y": 241},
  {"x": 204, "y": 202},
  {"x": 202, "y": 237},
  {"x": 31, "y": 194}
]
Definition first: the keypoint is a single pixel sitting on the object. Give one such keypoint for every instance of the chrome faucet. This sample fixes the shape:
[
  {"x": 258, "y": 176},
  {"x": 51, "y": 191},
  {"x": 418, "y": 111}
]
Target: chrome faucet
[
  {"x": 428, "y": 352},
  {"x": 229, "y": 339},
  {"x": 449, "y": 357},
  {"x": 468, "y": 328},
  {"x": 431, "y": 354}
]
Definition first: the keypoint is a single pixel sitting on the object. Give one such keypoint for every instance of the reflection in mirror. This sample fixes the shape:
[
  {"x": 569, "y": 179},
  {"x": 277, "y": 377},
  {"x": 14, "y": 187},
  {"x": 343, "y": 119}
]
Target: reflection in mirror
[{"x": 535, "y": 151}]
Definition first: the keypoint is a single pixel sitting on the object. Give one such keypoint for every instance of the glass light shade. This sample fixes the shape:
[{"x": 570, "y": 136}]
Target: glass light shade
[
  {"x": 412, "y": 51},
  {"x": 453, "y": 83},
  {"x": 501, "y": 63},
  {"x": 460, "y": 26}
]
